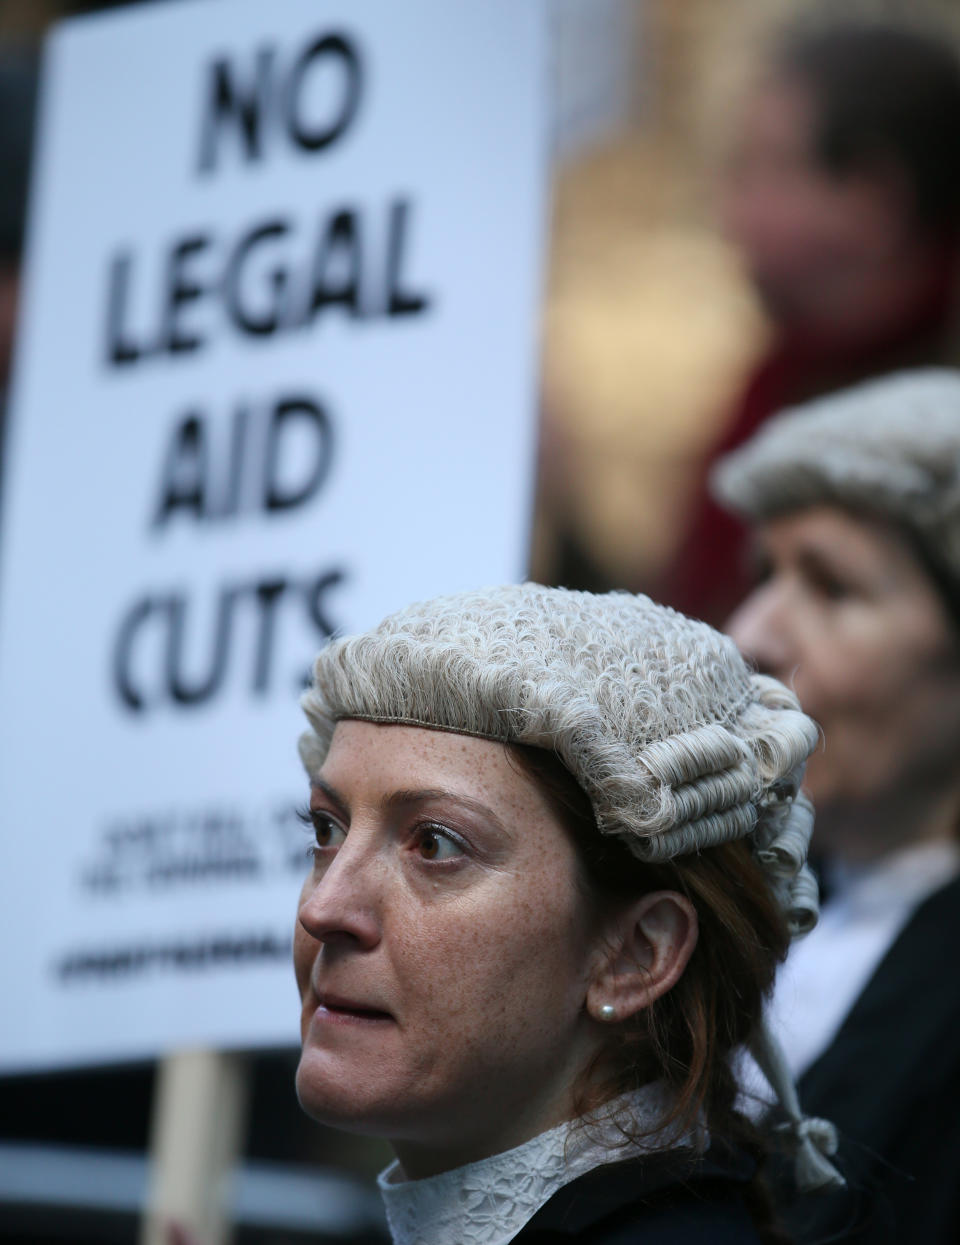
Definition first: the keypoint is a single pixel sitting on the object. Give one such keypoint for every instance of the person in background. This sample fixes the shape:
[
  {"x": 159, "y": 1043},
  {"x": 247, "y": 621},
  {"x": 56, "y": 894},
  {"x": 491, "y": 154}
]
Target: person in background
[
  {"x": 842, "y": 194},
  {"x": 557, "y": 853},
  {"x": 855, "y": 504}
]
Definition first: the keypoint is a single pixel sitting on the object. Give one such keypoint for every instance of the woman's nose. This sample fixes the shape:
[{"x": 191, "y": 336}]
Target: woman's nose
[
  {"x": 760, "y": 628},
  {"x": 341, "y": 904}
]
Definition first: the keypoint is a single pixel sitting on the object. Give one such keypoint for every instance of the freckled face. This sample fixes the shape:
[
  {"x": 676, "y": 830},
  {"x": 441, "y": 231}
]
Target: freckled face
[{"x": 442, "y": 950}]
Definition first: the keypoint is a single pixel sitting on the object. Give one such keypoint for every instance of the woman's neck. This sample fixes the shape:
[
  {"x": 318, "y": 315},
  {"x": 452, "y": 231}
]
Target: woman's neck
[
  {"x": 419, "y": 1160},
  {"x": 638, "y": 1111}
]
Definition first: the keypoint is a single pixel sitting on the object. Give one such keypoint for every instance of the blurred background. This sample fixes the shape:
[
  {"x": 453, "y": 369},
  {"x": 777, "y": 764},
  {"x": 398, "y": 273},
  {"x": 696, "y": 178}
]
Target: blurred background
[{"x": 671, "y": 323}]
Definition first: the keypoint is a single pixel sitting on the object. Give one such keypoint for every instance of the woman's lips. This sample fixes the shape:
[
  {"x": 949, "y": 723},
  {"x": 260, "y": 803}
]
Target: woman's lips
[{"x": 334, "y": 1009}]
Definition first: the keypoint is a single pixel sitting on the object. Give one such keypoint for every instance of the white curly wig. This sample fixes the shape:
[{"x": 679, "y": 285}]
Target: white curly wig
[
  {"x": 889, "y": 448},
  {"x": 677, "y": 744}
]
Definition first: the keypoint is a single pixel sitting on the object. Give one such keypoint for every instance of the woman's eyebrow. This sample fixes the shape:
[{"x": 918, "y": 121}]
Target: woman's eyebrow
[
  {"x": 423, "y": 795},
  {"x": 332, "y": 794},
  {"x": 812, "y": 557},
  {"x": 816, "y": 560}
]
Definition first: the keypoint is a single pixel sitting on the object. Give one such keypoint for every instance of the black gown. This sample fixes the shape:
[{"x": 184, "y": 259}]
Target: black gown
[
  {"x": 653, "y": 1200},
  {"x": 890, "y": 1081}
]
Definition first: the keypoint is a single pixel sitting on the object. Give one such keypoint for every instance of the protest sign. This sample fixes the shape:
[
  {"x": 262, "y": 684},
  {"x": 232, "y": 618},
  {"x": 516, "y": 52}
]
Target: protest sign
[{"x": 275, "y": 377}]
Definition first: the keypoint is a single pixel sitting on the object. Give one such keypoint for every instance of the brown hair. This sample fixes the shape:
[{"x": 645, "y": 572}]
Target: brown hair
[{"x": 686, "y": 1038}]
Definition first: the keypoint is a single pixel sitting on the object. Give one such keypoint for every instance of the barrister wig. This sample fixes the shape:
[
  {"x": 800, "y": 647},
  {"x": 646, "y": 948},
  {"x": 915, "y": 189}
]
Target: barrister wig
[
  {"x": 889, "y": 449},
  {"x": 678, "y": 745},
  {"x": 676, "y": 742}
]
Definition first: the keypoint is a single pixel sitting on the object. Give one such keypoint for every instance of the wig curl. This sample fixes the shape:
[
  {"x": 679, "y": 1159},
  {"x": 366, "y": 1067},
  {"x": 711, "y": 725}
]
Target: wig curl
[{"x": 887, "y": 448}]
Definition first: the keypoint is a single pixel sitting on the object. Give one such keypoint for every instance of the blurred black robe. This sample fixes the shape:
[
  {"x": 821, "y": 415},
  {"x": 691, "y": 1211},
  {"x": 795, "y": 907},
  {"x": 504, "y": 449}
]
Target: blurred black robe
[{"x": 890, "y": 1081}]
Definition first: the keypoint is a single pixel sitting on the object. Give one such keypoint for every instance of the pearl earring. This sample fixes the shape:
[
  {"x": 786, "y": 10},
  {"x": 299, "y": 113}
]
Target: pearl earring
[{"x": 608, "y": 1012}]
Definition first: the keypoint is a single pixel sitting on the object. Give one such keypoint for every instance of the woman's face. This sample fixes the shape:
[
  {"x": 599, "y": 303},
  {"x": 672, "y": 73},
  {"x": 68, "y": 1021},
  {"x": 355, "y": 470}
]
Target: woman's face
[
  {"x": 846, "y": 616},
  {"x": 443, "y": 947}
]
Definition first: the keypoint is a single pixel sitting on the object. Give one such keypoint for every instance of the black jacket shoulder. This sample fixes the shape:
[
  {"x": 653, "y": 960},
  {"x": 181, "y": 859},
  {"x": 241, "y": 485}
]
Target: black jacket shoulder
[
  {"x": 663, "y": 1199},
  {"x": 890, "y": 1081}
]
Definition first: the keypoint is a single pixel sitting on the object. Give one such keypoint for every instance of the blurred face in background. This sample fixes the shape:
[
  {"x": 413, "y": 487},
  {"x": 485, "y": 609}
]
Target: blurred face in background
[
  {"x": 814, "y": 243},
  {"x": 845, "y": 614}
]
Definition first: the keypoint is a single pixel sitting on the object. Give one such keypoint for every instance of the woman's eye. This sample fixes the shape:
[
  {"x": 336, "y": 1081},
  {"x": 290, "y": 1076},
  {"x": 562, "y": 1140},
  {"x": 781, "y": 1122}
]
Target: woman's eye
[
  {"x": 434, "y": 843},
  {"x": 760, "y": 569},
  {"x": 327, "y": 832},
  {"x": 830, "y": 586}
]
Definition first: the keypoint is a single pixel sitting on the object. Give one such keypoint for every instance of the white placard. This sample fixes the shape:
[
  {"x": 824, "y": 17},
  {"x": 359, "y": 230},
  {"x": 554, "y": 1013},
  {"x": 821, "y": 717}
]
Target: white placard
[{"x": 275, "y": 377}]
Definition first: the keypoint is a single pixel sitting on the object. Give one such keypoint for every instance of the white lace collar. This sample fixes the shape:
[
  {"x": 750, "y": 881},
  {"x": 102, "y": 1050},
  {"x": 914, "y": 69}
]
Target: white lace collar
[{"x": 488, "y": 1202}]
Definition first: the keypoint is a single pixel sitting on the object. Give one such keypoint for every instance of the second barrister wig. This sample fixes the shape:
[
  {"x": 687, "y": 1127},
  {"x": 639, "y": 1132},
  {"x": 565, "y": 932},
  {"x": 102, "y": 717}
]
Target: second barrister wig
[{"x": 888, "y": 448}]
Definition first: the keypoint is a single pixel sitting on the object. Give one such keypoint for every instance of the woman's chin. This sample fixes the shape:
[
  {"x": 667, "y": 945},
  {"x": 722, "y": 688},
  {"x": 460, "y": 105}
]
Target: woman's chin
[
  {"x": 335, "y": 1095},
  {"x": 322, "y": 1093}
]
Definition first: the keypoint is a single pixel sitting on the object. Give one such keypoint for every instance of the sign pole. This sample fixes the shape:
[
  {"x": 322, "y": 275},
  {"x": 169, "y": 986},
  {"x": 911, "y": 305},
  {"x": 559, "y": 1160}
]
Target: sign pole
[{"x": 197, "y": 1132}]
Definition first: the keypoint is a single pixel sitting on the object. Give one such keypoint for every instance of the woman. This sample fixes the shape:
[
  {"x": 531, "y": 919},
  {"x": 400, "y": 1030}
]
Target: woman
[
  {"x": 558, "y": 853},
  {"x": 856, "y": 502}
]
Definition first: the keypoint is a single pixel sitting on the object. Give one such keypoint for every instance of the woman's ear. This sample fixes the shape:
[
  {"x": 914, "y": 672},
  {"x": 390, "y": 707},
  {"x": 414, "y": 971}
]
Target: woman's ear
[{"x": 648, "y": 946}]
